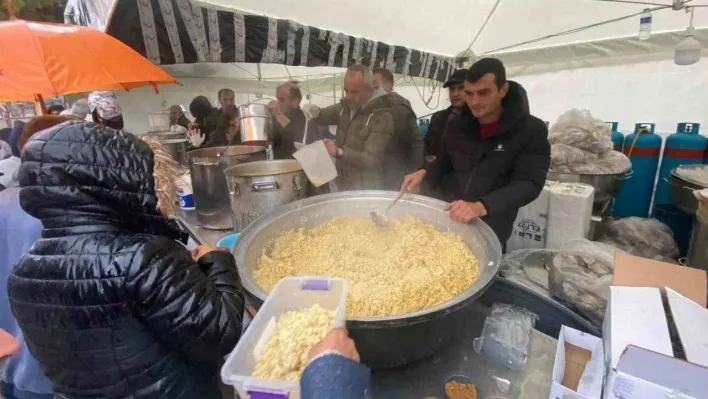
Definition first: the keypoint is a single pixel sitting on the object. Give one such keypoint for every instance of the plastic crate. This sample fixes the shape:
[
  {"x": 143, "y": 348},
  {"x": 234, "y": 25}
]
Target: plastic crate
[{"x": 290, "y": 293}]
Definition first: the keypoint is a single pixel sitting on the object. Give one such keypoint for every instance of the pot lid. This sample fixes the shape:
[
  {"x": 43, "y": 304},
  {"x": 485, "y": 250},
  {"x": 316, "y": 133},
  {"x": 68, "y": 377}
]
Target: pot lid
[
  {"x": 696, "y": 174},
  {"x": 264, "y": 168}
]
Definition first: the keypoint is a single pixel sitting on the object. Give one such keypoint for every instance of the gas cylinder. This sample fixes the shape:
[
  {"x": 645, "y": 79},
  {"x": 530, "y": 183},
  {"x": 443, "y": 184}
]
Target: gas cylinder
[
  {"x": 423, "y": 125},
  {"x": 643, "y": 148},
  {"x": 617, "y": 137},
  {"x": 684, "y": 147}
]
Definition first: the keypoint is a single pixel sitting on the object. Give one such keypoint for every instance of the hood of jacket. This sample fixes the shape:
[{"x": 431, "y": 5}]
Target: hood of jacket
[
  {"x": 515, "y": 106},
  {"x": 81, "y": 177}
]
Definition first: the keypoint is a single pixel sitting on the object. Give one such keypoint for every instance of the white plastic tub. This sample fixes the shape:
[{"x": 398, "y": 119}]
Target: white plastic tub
[{"x": 291, "y": 293}]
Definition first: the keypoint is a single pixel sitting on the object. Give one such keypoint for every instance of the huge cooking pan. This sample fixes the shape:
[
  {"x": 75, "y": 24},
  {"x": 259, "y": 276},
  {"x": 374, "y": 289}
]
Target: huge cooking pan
[{"x": 391, "y": 341}]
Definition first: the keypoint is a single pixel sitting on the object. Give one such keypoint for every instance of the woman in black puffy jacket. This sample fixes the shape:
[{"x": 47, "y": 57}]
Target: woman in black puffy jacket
[{"x": 110, "y": 303}]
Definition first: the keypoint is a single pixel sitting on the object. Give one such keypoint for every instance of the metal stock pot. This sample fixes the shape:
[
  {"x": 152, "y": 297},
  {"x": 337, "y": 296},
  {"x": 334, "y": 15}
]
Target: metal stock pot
[
  {"x": 389, "y": 341},
  {"x": 211, "y": 194},
  {"x": 256, "y": 188}
]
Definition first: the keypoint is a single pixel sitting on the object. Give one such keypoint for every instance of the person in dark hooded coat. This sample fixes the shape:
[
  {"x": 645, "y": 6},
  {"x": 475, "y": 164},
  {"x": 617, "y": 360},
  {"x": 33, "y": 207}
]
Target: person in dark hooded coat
[
  {"x": 494, "y": 156},
  {"x": 110, "y": 303}
]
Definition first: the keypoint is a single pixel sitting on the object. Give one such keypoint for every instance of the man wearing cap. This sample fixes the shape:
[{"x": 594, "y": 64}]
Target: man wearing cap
[
  {"x": 494, "y": 157},
  {"x": 455, "y": 90}
]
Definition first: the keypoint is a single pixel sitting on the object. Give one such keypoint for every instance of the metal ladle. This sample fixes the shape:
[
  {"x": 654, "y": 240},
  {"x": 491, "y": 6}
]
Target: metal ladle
[{"x": 380, "y": 218}]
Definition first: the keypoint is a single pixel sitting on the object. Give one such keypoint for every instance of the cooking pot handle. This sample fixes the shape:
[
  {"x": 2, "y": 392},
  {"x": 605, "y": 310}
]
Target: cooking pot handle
[
  {"x": 265, "y": 185},
  {"x": 673, "y": 183},
  {"x": 627, "y": 175},
  {"x": 233, "y": 187},
  {"x": 296, "y": 186}
]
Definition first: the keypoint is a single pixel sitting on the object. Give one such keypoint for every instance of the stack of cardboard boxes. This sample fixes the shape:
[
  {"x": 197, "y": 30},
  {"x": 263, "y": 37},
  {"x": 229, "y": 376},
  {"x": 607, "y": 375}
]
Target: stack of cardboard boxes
[{"x": 649, "y": 302}]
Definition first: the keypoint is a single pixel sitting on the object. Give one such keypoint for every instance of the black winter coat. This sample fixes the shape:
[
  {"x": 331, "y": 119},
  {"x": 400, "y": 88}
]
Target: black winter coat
[
  {"x": 110, "y": 304},
  {"x": 436, "y": 128},
  {"x": 504, "y": 172}
]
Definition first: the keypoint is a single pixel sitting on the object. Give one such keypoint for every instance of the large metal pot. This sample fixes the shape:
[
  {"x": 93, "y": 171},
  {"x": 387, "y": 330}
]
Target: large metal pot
[
  {"x": 682, "y": 189},
  {"x": 391, "y": 341},
  {"x": 256, "y": 188},
  {"x": 175, "y": 144},
  {"x": 211, "y": 194},
  {"x": 606, "y": 186},
  {"x": 256, "y": 123},
  {"x": 697, "y": 249}
]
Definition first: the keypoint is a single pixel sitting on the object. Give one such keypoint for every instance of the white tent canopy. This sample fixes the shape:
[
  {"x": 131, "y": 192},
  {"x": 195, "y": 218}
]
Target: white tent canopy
[
  {"x": 604, "y": 68},
  {"x": 449, "y": 26}
]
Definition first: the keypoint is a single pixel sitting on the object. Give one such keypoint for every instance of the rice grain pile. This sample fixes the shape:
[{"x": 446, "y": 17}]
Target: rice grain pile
[
  {"x": 404, "y": 267},
  {"x": 285, "y": 355}
]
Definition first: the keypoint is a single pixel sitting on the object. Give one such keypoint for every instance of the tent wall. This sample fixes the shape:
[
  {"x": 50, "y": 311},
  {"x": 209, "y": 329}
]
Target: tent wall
[{"x": 657, "y": 91}]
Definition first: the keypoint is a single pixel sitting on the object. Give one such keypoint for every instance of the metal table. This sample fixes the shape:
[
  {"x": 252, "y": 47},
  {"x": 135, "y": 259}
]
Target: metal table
[
  {"x": 188, "y": 219},
  {"x": 427, "y": 377}
]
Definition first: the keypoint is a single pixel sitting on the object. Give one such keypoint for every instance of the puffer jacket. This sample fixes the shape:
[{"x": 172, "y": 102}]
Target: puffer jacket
[
  {"x": 504, "y": 172},
  {"x": 404, "y": 153},
  {"x": 364, "y": 135},
  {"x": 111, "y": 305}
]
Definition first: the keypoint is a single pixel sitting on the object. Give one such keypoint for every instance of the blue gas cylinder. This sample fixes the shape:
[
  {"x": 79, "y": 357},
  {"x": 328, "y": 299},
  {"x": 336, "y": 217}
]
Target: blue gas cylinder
[
  {"x": 617, "y": 137},
  {"x": 684, "y": 147},
  {"x": 642, "y": 147},
  {"x": 423, "y": 125}
]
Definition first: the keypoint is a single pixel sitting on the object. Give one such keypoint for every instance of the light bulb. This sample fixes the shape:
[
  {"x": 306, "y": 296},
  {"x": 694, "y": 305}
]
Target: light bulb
[{"x": 688, "y": 50}]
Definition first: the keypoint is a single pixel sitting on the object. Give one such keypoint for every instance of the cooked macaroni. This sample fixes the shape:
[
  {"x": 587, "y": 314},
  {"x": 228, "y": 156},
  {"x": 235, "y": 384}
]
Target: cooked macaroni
[{"x": 404, "y": 267}]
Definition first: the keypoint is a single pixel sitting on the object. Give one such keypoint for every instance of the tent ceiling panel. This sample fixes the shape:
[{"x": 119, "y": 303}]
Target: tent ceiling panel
[{"x": 448, "y": 26}]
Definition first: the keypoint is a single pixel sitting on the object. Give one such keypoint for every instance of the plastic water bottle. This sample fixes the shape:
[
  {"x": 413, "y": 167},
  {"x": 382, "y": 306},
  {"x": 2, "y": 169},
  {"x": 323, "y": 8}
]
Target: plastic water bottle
[{"x": 645, "y": 25}]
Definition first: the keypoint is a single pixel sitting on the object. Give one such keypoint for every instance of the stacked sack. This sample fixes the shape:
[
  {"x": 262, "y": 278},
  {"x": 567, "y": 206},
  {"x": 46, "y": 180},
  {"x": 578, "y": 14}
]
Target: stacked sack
[{"x": 581, "y": 144}]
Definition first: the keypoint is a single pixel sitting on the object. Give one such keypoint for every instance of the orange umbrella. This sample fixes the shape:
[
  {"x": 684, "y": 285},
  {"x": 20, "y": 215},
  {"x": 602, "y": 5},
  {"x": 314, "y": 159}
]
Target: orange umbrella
[{"x": 38, "y": 59}]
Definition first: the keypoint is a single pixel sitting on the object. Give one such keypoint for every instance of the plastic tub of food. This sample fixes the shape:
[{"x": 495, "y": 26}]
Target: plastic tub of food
[{"x": 292, "y": 293}]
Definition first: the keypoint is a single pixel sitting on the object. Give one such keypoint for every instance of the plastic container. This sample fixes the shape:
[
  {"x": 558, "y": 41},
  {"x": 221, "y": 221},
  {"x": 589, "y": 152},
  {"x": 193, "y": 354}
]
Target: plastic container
[
  {"x": 185, "y": 196},
  {"x": 635, "y": 194},
  {"x": 291, "y": 293},
  {"x": 317, "y": 163},
  {"x": 506, "y": 336},
  {"x": 685, "y": 147},
  {"x": 645, "y": 25},
  {"x": 228, "y": 241}
]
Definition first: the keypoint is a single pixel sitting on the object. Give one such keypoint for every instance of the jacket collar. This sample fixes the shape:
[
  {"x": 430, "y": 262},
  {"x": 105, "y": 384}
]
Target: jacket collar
[{"x": 515, "y": 107}]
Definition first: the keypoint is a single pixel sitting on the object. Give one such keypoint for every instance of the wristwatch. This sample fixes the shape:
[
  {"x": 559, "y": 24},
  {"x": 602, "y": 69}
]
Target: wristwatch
[{"x": 340, "y": 152}]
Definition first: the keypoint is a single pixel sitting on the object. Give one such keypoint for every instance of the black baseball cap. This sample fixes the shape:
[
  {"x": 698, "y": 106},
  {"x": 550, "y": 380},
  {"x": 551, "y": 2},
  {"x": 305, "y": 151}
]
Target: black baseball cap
[{"x": 457, "y": 77}]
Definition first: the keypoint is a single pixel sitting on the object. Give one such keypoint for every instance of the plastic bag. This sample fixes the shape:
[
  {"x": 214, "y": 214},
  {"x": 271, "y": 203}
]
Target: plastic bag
[
  {"x": 608, "y": 163},
  {"x": 528, "y": 267},
  {"x": 579, "y": 129},
  {"x": 648, "y": 238},
  {"x": 563, "y": 154},
  {"x": 580, "y": 275},
  {"x": 506, "y": 336}
]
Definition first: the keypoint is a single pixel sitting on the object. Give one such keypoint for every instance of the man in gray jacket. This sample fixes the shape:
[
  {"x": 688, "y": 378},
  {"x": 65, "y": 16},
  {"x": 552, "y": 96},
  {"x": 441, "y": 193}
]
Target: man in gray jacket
[
  {"x": 405, "y": 151},
  {"x": 364, "y": 129}
]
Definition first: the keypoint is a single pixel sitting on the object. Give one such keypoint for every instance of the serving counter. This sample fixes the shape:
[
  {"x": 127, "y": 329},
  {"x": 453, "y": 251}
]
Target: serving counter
[{"x": 427, "y": 377}]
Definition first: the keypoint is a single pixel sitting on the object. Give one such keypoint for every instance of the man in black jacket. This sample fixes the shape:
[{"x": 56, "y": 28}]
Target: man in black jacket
[
  {"x": 455, "y": 86},
  {"x": 289, "y": 121},
  {"x": 494, "y": 157}
]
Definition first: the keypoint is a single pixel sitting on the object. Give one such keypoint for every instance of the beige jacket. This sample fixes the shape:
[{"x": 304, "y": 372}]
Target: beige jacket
[{"x": 364, "y": 135}]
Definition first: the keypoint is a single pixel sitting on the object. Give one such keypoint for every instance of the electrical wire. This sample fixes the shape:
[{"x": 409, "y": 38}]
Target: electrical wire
[
  {"x": 642, "y": 3},
  {"x": 484, "y": 25},
  {"x": 576, "y": 30}
]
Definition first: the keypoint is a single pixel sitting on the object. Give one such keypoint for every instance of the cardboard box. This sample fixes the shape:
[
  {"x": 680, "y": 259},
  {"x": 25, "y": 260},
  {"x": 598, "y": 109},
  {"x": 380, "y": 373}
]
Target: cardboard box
[
  {"x": 643, "y": 374},
  {"x": 578, "y": 366},
  {"x": 638, "y": 352},
  {"x": 633, "y": 271}
]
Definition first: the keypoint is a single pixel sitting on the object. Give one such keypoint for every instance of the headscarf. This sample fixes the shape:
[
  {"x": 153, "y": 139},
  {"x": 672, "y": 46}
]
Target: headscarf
[{"x": 105, "y": 104}]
